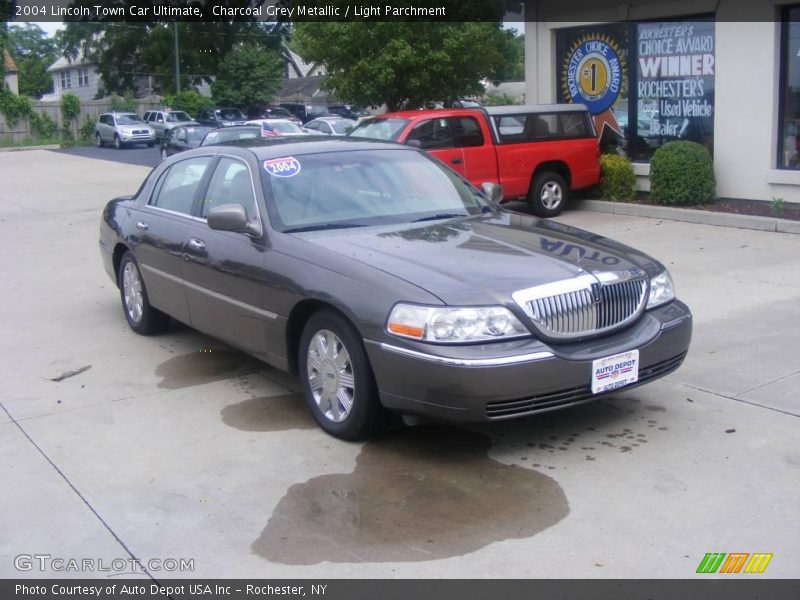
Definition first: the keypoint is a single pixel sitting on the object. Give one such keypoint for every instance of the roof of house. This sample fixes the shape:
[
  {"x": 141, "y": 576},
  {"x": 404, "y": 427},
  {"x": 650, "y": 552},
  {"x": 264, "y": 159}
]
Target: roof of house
[
  {"x": 8, "y": 62},
  {"x": 302, "y": 68},
  {"x": 63, "y": 62},
  {"x": 302, "y": 89}
]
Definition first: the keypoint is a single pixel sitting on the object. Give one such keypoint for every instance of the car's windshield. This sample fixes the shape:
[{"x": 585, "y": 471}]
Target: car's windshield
[
  {"x": 230, "y": 114},
  {"x": 285, "y": 126},
  {"x": 178, "y": 115},
  {"x": 380, "y": 129},
  {"x": 361, "y": 188},
  {"x": 343, "y": 126},
  {"x": 129, "y": 120},
  {"x": 278, "y": 112},
  {"x": 225, "y": 135}
]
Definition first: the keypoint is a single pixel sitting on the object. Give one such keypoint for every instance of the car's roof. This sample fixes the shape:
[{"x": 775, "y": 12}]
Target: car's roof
[
  {"x": 332, "y": 118},
  {"x": 276, "y": 147}
]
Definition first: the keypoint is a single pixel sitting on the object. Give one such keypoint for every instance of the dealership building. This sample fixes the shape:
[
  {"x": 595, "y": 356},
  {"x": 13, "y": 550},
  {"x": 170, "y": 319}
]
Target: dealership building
[{"x": 723, "y": 73}]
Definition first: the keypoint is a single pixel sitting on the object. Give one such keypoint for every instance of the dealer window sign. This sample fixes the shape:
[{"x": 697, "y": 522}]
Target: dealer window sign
[{"x": 675, "y": 64}]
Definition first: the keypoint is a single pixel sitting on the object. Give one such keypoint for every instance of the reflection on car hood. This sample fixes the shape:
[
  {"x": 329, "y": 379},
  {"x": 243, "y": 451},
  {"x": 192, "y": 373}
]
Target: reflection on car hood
[{"x": 483, "y": 260}]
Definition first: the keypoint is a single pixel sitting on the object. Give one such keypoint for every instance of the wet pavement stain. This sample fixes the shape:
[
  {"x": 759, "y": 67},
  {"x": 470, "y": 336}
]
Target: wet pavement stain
[
  {"x": 271, "y": 413},
  {"x": 197, "y": 368},
  {"x": 420, "y": 494}
]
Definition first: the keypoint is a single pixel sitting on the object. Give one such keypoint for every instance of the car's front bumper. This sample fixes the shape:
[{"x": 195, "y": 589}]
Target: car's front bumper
[
  {"x": 138, "y": 138},
  {"x": 518, "y": 378}
]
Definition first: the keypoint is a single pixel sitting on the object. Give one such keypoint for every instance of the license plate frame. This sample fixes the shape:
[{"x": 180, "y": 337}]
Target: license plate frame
[{"x": 615, "y": 371}]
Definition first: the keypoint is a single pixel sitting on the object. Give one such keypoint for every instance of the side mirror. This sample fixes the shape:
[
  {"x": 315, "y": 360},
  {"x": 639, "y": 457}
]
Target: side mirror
[
  {"x": 493, "y": 191},
  {"x": 414, "y": 143},
  {"x": 231, "y": 217}
]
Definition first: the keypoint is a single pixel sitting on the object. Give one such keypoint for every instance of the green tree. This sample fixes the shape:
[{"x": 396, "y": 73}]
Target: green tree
[
  {"x": 33, "y": 51},
  {"x": 403, "y": 64},
  {"x": 248, "y": 75},
  {"x": 123, "y": 51}
]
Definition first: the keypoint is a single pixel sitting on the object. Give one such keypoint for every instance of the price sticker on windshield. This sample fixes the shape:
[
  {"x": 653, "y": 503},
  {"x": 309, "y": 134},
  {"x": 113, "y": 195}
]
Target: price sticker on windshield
[{"x": 282, "y": 167}]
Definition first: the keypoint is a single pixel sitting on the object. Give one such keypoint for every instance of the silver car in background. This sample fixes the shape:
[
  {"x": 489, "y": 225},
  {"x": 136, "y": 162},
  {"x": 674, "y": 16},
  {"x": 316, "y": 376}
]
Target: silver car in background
[{"x": 122, "y": 129}]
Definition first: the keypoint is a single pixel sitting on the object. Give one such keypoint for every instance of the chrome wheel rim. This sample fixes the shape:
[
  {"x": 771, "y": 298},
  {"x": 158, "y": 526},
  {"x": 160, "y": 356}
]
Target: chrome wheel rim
[
  {"x": 98, "y": 140},
  {"x": 117, "y": 143},
  {"x": 330, "y": 375},
  {"x": 551, "y": 195},
  {"x": 132, "y": 291}
]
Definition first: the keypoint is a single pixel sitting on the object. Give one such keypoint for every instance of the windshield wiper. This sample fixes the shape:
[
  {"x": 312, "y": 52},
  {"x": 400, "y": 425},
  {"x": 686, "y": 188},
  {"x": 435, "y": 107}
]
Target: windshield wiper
[
  {"x": 440, "y": 216},
  {"x": 323, "y": 226}
]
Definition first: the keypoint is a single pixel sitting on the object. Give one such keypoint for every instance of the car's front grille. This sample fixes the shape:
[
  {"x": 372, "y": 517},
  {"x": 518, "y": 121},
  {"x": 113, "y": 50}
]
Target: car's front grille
[
  {"x": 586, "y": 305},
  {"x": 515, "y": 408},
  {"x": 140, "y": 132}
]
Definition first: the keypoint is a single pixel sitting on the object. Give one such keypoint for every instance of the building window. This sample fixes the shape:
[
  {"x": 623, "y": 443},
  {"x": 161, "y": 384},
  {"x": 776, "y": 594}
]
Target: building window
[
  {"x": 66, "y": 81},
  {"x": 789, "y": 139},
  {"x": 665, "y": 91},
  {"x": 83, "y": 77}
]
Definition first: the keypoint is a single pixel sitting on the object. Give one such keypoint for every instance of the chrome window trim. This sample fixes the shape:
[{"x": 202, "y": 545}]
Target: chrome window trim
[
  {"x": 175, "y": 213},
  {"x": 160, "y": 181},
  {"x": 252, "y": 187},
  {"x": 267, "y": 314},
  {"x": 465, "y": 362}
]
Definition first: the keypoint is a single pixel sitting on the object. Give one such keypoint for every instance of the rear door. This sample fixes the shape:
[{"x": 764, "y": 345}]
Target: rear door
[
  {"x": 161, "y": 226},
  {"x": 435, "y": 136}
]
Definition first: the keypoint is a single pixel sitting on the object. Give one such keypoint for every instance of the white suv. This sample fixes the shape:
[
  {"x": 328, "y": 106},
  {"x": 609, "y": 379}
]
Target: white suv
[{"x": 122, "y": 129}]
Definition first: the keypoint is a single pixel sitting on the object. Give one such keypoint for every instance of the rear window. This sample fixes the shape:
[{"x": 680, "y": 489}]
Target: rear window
[
  {"x": 380, "y": 129},
  {"x": 542, "y": 126}
]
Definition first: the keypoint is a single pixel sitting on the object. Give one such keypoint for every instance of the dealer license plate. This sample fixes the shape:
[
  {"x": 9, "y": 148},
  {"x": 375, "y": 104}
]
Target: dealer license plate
[{"x": 613, "y": 372}]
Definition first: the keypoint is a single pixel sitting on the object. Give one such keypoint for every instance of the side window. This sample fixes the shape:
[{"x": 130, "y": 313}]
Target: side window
[
  {"x": 146, "y": 116},
  {"x": 539, "y": 127},
  {"x": 432, "y": 134},
  {"x": 230, "y": 184},
  {"x": 179, "y": 185},
  {"x": 510, "y": 128},
  {"x": 314, "y": 126},
  {"x": 160, "y": 117},
  {"x": 575, "y": 125},
  {"x": 466, "y": 131}
]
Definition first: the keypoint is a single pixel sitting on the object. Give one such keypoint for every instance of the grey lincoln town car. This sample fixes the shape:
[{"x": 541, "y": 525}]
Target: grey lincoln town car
[{"x": 388, "y": 282}]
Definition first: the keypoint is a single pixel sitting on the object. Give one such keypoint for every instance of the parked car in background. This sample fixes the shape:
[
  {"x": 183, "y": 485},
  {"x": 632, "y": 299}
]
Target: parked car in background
[
  {"x": 221, "y": 117},
  {"x": 537, "y": 153},
  {"x": 225, "y": 135},
  {"x": 183, "y": 137},
  {"x": 305, "y": 112},
  {"x": 331, "y": 125},
  {"x": 278, "y": 126},
  {"x": 462, "y": 103},
  {"x": 347, "y": 112},
  {"x": 271, "y": 112},
  {"x": 371, "y": 271},
  {"x": 162, "y": 121},
  {"x": 123, "y": 129}
]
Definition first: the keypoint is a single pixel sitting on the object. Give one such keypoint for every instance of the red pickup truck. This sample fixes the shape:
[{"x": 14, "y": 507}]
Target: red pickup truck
[{"x": 534, "y": 152}]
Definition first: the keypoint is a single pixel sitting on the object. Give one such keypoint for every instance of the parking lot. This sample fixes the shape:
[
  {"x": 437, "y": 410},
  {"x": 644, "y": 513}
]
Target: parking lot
[{"x": 115, "y": 445}]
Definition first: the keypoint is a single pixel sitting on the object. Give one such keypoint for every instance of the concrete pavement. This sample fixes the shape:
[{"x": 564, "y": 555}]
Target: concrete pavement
[{"x": 178, "y": 447}]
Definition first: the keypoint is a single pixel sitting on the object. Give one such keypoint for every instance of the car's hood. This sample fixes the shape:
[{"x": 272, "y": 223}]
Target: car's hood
[{"x": 483, "y": 260}]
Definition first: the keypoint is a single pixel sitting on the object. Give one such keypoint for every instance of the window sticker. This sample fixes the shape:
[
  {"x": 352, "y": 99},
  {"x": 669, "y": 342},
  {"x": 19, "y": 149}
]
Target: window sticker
[{"x": 288, "y": 166}]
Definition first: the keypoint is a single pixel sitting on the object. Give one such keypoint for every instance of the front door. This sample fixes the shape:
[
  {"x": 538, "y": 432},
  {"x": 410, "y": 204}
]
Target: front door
[{"x": 435, "y": 136}]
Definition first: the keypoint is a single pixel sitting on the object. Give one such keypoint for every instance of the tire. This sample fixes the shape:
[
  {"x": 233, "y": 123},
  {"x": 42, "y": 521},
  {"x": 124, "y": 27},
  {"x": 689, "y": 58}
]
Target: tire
[
  {"x": 548, "y": 194},
  {"x": 118, "y": 143},
  {"x": 142, "y": 318},
  {"x": 334, "y": 365},
  {"x": 98, "y": 140},
  {"x": 164, "y": 155}
]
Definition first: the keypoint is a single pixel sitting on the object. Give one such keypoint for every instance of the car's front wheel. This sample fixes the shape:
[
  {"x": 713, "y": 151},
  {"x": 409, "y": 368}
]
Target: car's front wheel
[
  {"x": 164, "y": 154},
  {"x": 548, "y": 194},
  {"x": 142, "y": 317},
  {"x": 98, "y": 140},
  {"x": 117, "y": 142},
  {"x": 337, "y": 378}
]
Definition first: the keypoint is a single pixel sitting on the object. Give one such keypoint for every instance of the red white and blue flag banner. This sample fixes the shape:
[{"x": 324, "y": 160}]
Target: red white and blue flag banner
[{"x": 268, "y": 130}]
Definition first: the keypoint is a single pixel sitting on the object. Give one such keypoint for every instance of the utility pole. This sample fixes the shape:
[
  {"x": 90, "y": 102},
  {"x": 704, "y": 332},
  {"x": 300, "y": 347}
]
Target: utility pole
[{"x": 177, "y": 60}]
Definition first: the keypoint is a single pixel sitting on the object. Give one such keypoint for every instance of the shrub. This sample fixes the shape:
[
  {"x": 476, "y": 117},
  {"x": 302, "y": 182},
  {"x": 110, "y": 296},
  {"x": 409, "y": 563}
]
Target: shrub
[
  {"x": 14, "y": 107},
  {"x": 190, "y": 101},
  {"x": 126, "y": 103},
  {"x": 500, "y": 100},
  {"x": 86, "y": 131},
  {"x": 682, "y": 173},
  {"x": 42, "y": 126},
  {"x": 70, "y": 107},
  {"x": 617, "y": 179}
]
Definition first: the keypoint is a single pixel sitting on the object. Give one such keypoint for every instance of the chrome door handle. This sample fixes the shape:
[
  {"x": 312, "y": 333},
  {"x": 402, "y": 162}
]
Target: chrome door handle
[
  {"x": 196, "y": 244},
  {"x": 142, "y": 225}
]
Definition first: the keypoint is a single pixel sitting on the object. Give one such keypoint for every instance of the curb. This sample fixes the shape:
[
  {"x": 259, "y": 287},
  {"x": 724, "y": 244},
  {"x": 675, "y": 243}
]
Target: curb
[
  {"x": 688, "y": 215},
  {"x": 24, "y": 148}
]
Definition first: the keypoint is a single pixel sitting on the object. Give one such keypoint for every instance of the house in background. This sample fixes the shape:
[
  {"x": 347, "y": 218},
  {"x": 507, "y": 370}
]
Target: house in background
[
  {"x": 77, "y": 76},
  {"x": 294, "y": 67},
  {"x": 11, "y": 77}
]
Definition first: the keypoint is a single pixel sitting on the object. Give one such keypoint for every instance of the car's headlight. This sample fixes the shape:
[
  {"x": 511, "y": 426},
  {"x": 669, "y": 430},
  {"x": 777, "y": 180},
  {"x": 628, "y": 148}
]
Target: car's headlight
[
  {"x": 454, "y": 324},
  {"x": 662, "y": 289}
]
